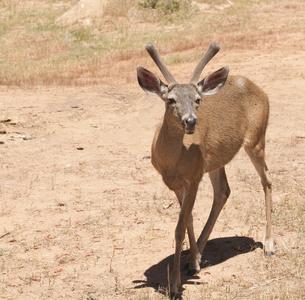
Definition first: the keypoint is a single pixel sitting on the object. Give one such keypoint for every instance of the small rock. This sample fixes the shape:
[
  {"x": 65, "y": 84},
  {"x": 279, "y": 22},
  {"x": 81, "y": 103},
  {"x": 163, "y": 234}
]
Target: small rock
[{"x": 28, "y": 137}]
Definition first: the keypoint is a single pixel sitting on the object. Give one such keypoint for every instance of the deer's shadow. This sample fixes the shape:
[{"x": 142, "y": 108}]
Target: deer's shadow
[{"x": 216, "y": 251}]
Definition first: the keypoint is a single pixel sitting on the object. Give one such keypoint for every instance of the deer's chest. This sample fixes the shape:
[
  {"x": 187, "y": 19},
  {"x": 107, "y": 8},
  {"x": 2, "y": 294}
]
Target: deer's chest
[{"x": 178, "y": 165}]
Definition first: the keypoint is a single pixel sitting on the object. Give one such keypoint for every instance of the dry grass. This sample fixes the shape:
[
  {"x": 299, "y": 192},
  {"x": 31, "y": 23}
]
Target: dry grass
[{"x": 34, "y": 50}]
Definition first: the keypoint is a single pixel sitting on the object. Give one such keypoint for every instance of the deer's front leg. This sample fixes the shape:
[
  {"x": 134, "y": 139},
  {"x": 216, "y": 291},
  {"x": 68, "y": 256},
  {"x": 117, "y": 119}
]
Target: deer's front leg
[
  {"x": 194, "y": 259},
  {"x": 185, "y": 213}
]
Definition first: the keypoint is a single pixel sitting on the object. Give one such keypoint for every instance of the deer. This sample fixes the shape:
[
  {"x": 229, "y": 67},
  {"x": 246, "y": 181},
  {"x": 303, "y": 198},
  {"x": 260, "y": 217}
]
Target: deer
[{"x": 204, "y": 126}]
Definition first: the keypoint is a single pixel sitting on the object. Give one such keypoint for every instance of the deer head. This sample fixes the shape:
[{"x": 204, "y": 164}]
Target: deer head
[{"x": 182, "y": 100}]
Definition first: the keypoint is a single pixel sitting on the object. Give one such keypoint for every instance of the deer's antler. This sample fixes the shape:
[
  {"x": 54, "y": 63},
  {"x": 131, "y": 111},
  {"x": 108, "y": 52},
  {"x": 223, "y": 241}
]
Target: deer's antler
[
  {"x": 152, "y": 50},
  {"x": 209, "y": 54}
]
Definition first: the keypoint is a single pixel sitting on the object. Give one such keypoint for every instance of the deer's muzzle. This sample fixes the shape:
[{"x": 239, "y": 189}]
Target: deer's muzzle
[{"x": 189, "y": 124}]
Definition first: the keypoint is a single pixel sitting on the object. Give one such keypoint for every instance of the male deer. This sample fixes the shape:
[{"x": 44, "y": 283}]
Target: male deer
[{"x": 200, "y": 134}]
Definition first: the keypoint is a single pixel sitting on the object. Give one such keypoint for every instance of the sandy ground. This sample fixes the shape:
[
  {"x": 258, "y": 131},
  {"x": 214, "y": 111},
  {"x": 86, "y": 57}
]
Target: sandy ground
[{"x": 83, "y": 214}]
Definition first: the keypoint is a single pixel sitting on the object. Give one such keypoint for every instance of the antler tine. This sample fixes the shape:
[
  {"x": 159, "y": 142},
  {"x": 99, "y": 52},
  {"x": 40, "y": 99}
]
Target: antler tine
[
  {"x": 152, "y": 50},
  {"x": 210, "y": 53}
]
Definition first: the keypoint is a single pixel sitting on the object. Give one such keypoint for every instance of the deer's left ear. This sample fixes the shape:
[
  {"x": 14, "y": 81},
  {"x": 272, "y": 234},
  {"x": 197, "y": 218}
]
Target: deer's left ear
[{"x": 214, "y": 82}]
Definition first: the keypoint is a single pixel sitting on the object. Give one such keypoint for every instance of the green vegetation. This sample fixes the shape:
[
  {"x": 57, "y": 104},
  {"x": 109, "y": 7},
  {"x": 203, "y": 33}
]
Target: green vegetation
[{"x": 166, "y": 6}]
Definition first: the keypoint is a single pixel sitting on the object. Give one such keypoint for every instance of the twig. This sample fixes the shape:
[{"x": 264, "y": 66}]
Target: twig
[
  {"x": 168, "y": 206},
  {"x": 5, "y": 121},
  {"x": 3, "y": 235}
]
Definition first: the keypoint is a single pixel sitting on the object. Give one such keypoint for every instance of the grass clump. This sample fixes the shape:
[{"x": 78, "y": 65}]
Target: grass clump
[
  {"x": 166, "y": 6},
  {"x": 168, "y": 11}
]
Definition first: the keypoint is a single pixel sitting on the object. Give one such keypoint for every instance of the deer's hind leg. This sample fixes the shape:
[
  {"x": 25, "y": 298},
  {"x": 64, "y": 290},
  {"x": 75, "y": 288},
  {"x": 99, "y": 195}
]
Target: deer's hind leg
[
  {"x": 221, "y": 193},
  {"x": 257, "y": 156}
]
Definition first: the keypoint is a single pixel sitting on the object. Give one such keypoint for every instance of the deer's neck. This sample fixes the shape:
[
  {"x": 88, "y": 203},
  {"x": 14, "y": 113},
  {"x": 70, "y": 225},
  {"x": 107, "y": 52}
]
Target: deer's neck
[
  {"x": 167, "y": 145},
  {"x": 176, "y": 156},
  {"x": 172, "y": 131}
]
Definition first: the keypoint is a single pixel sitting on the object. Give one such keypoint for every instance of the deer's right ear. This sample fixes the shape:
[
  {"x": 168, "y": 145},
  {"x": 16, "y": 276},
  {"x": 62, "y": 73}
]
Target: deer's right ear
[
  {"x": 214, "y": 82},
  {"x": 151, "y": 83}
]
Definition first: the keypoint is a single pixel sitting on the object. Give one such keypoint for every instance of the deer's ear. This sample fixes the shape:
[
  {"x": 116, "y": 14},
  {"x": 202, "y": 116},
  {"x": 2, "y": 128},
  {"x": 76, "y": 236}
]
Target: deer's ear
[
  {"x": 214, "y": 82},
  {"x": 150, "y": 83}
]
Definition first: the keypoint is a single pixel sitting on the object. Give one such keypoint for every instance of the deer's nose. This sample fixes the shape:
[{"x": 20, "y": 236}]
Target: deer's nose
[{"x": 190, "y": 122}]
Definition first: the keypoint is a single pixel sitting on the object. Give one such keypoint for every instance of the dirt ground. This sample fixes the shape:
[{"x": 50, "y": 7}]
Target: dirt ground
[{"x": 83, "y": 214}]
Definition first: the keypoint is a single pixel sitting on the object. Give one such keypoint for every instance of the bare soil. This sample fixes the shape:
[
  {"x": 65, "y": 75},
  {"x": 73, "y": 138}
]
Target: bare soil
[{"x": 83, "y": 214}]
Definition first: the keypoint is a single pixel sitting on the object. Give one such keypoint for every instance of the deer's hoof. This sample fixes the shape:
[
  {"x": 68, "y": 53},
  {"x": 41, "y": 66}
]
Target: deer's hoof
[
  {"x": 174, "y": 291},
  {"x": 269, "y": 247},
  {"x": 193, "y": 266},
  {"x": 269, "y": 253},
  {"x": 192, "y": 272}
]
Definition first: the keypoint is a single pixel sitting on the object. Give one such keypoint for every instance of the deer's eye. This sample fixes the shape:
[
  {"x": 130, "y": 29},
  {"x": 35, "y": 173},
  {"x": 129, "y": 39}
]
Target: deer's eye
[
  {"x": 197, "y": 101},
  {"x": 171, "y": 101}
]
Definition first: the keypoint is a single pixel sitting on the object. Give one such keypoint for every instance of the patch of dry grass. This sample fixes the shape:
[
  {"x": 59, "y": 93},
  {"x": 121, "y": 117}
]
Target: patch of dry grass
[{"x": 34, "y": 50}]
